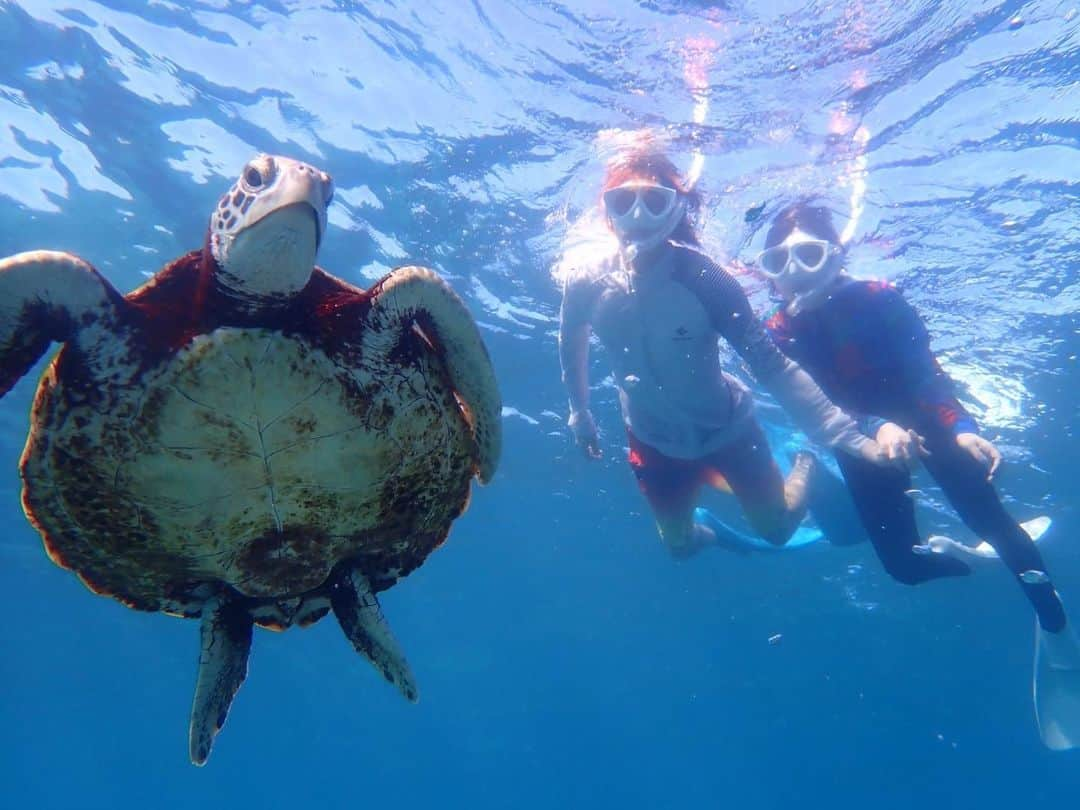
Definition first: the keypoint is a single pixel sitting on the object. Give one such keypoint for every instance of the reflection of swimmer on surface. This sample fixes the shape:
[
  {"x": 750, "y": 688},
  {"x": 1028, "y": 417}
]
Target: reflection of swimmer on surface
[
  {"x": 658, "y": 306},
  {"x": 870, "y": 352}
]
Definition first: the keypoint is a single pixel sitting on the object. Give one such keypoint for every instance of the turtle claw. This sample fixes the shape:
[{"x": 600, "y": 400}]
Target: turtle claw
[
  {"x": 362, "y": 620},
  {"x": 223, "y": 659}
]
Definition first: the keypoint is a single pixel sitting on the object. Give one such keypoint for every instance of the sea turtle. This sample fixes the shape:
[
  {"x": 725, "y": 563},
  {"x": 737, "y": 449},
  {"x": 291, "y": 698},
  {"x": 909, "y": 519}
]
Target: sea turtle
[{"x": 245, "y": 438}]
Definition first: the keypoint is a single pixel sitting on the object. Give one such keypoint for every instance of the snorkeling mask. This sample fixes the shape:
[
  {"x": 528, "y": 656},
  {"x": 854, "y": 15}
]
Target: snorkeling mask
[
  {"x": 800, "y": 266},
  {"x": 643, "y": 214}
]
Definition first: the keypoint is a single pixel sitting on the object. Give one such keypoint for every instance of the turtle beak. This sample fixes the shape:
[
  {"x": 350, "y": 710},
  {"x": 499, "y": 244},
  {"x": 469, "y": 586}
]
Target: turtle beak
[
  {"x": 305, "y": 184},
  {"x": 319, "y": 194},
  {"x": 327, "y": 187},
  {"x": 320, "y": 225}
]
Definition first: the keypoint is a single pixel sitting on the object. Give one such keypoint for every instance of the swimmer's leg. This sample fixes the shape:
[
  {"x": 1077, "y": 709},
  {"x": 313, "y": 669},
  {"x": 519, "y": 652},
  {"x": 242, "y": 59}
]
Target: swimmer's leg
[
  {"x": 1057, "y": 648},
  {"x": 829, "y": 503},
  {"x": 774, "y": 506},
  {"x": 888, "y": 516},
  {"x": 976, "y": 501},
  {"x": 671, "y": 487}
]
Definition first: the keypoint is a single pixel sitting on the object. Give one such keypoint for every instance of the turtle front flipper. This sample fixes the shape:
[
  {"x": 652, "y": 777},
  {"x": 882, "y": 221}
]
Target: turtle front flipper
[
  {"x": 362, "y": 619},
  {"x": 46, "y": 296},
  {"x": 226, "y": 641},
  {"x": 412, "y": 297}
]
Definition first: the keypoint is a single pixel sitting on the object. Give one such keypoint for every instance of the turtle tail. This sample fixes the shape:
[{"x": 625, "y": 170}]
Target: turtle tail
[{"x": 416, "y": 298}]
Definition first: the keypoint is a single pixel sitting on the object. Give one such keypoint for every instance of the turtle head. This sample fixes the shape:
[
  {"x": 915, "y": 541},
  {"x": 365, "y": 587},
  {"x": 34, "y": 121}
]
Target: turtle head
[{"x": 266, "y": 230}]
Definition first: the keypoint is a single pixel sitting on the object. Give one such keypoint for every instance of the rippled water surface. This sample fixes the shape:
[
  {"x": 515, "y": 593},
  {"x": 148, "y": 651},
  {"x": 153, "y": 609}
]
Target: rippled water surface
[{"x": 563, "y": 658}]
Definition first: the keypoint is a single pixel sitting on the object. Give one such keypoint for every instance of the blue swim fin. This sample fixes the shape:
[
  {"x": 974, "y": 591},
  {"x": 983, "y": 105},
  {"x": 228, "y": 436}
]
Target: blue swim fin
[
  {"x": 734, "y": 540},
  {"x": 832, "y": 508}
]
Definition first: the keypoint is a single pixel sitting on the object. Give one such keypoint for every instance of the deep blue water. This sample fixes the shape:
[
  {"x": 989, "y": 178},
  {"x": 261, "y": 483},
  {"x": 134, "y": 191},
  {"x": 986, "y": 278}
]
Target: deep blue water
[{"x": 564, "y": 660}]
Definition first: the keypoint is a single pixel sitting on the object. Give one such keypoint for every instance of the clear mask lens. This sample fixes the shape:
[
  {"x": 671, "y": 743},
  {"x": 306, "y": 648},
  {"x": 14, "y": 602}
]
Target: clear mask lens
[
  {"x": 774, "y": 260},
  {"x": 619, "y": 201},
  {"x": 811, "y": 255},
  {"x": 656, "y": 200}
]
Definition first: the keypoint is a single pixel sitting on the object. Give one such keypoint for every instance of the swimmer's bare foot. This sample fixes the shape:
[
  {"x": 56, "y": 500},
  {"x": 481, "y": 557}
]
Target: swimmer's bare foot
[
  {"x": 797, "y": 483},
  {"x": 700, "y": 537}
]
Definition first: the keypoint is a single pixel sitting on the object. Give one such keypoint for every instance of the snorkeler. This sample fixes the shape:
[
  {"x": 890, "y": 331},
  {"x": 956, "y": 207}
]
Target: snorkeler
[
  {"x": 870, "y": 352},
  {"x": 658, "y": 305}
]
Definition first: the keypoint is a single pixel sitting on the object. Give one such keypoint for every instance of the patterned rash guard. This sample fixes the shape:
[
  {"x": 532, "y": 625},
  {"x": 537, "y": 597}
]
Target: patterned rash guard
[
  {"x": 868, "y": 349},
  {"x": 661, "y": 327}
]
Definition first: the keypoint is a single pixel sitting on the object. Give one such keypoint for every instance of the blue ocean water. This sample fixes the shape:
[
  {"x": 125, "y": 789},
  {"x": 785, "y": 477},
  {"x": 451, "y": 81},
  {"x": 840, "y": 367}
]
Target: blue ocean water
[{"x": 564, "y": 660}]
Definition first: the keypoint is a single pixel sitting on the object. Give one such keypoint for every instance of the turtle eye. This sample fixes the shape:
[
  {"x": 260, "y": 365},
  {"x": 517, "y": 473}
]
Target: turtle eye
[{"x": 253, "y": 178}]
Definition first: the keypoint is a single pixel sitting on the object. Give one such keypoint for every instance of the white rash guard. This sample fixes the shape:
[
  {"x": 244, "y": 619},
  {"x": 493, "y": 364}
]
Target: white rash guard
[{"x": 661, "y": 327}]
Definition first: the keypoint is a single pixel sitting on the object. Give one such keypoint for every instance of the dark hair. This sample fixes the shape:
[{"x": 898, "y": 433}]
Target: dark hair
[
  {"x": 816, "y": 220},
  {"x": 648, "y": 164}
]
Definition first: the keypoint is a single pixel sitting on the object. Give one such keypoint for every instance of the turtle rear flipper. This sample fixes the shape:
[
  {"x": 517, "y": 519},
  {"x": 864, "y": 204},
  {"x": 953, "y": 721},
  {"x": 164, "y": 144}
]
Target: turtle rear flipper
[
  {"x": 46, "y": 296},
  {"x": 223, "y": 660},
  {"x": 362, "y": 619}
]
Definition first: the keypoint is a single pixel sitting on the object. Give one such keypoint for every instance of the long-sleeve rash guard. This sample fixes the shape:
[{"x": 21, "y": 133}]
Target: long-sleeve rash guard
[
  {"x": 870, "y": 352},
  {"x": 660, "y": 329}
]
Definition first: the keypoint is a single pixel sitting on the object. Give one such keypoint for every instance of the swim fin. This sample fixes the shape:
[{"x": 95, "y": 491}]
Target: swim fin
[
  {"x": 1057, "y": 688},
  {"x": 940, "y": 544},
  {"x": 734, "y": 540},
  {"x": 833, "y": 509}
]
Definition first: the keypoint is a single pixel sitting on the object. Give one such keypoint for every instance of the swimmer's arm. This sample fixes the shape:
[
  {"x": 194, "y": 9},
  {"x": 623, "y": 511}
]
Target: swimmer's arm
[
  {"x": 574, "y": 358},
  {"x": 800, "y": 396},
  {"x": 731, "y": 316},
  {"x": 870, "y": 425},
  {"x": 574, "y": 331},
  {"x": 932, "y": 388}
]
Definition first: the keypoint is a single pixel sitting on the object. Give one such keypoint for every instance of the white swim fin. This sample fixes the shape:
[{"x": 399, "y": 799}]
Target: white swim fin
[
  {"x": 1057, "y": 688},
  {"x": 940, "y": 544}
]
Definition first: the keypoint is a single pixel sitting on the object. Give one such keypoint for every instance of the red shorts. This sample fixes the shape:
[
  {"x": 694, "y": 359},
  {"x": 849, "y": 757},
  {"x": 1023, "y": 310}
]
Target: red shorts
[{"x": 745, "y": 467}]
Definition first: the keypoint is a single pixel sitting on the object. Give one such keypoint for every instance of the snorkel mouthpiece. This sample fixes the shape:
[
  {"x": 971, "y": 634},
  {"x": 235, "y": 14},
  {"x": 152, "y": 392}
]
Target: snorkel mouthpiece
[{"x": 636, "y": 240}]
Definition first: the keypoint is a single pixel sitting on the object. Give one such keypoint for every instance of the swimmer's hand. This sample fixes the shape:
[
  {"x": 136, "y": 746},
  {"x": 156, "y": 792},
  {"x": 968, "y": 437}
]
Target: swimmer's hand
[
  {"x": 585, "y": 434},
  {"x": 870, "y": 450},
  {"x": 903, "y": 448},
  {"x": 982, "y": 451}
]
